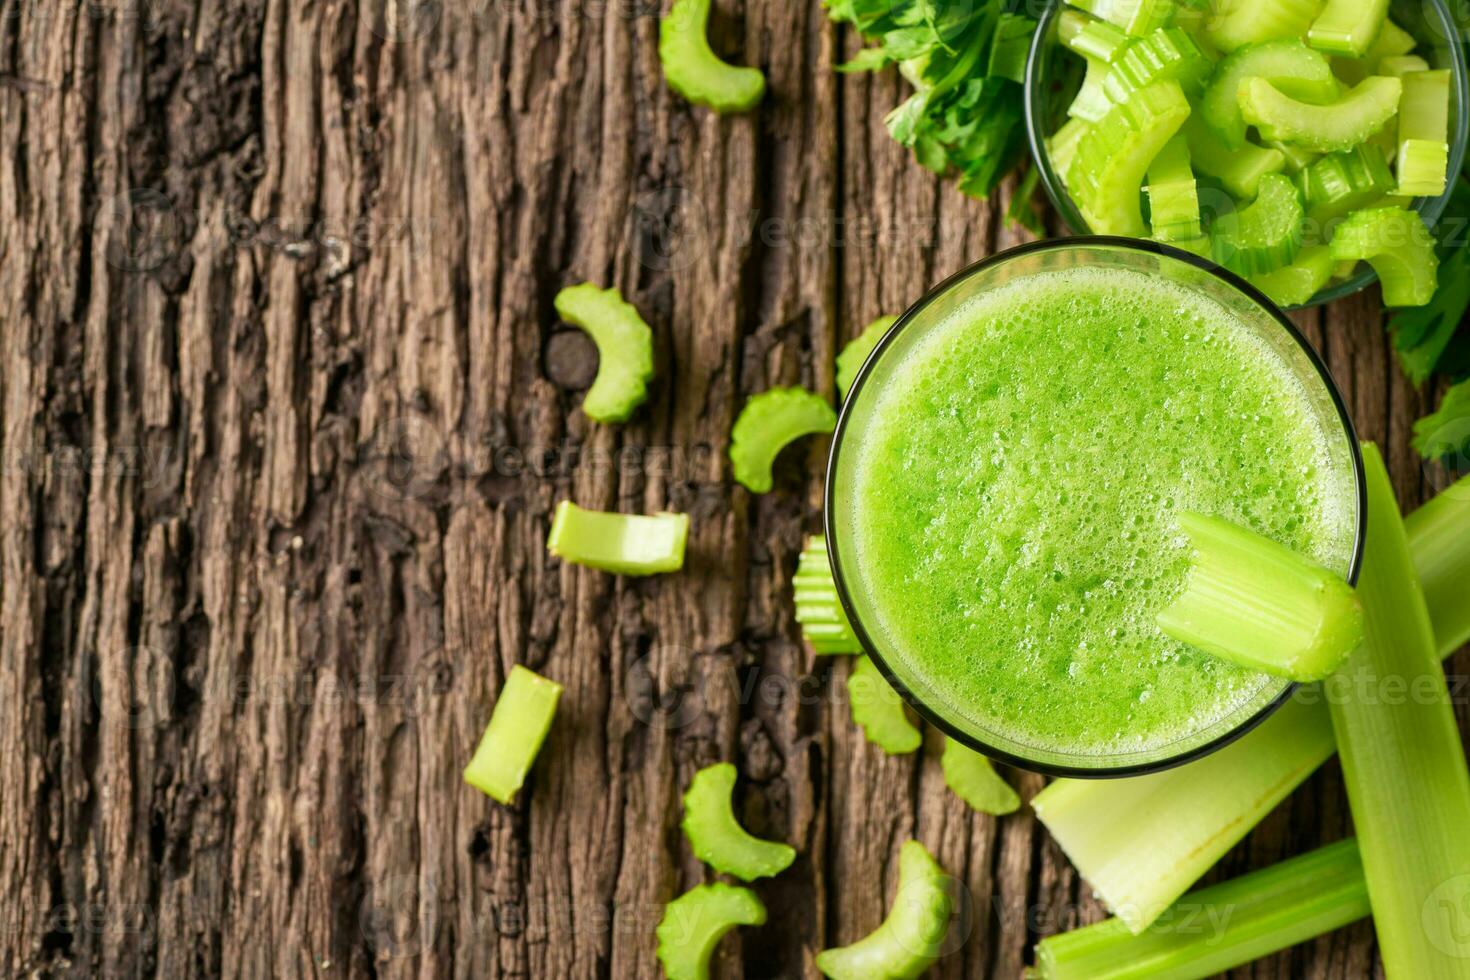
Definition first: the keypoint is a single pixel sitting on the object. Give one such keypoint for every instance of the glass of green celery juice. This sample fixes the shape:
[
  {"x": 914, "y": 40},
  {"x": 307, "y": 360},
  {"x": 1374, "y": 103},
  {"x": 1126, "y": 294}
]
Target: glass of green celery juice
[{"x": 1004, "y": 487}]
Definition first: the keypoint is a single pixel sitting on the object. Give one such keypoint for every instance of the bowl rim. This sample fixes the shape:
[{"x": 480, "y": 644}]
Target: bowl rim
[
  {"x": 834, "y": 546},
  {"x": 1431, "y": 208}
]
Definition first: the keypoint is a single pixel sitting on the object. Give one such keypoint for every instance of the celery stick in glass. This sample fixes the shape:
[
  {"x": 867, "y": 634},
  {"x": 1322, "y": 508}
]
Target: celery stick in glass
[
  {"x": 850, "y": 361},
  {"x": 694, "y": 923},
  {"x": 518, "y": 725},
  {"x": 823, "y": 621},
  {"x": 880, "y": 711},
  {"x": 1261, "y": 605},
  {"x": 624, "y": 544},
  {"x": 1160, "y": 832},
  {"x": 1297, "y": 283},
  {"x": 911, "y": 938},
  {"x": 1348, "y": 27},
  {"x": 1289, "y": 64},
  {"x": 1236, "y": 23},
  {"x": 1173, "y": 197},
  {"x": 770, "y": 422},
  {"x": 693, "y": 69},
  {"x": 974, "y": 780},
  {"x": 624, "y": 349},
  {"x": 1240, "y": 170},
  {"x": 1166, "y": 55},
  {"x": 1339, "y": 125},
  {"x": 1402, "y": 759},
  {"x": 1264, "y": 235},
  {"x": 1107, "y": 174},
  {"x": 1220, "y": 927},
  {"x": 717, "y": 838},
  {"x": 1400, "y": 248}
]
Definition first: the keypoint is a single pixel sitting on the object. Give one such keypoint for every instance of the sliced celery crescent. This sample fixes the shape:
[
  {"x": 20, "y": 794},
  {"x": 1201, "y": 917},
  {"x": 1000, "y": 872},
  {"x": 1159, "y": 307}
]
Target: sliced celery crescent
[
  {"x": 855, "y": 354},
  {"x": 769, "y": 423},
  {"x": 974, "y": 780},
  {"x": 695, "y": 71},
  {"x": 1289, "y": 64},
  {"x": 911, "y": 938},
  {"x": 518, "y": 725},
  {"x": 1402, "y": 759},
  {"x": 717, "y": 838},
  {"x": 1400, "y": 248},
  {"x": 1255, "y": 603},
  {"x": 694, "y": 923},
  {"x": 1113, "y": 157},
  {"x": 880, "y": 711},
  {"x": 823, "y": 621},
  {"x": 1265, "y": 234},
  {"x": 624, "y": 544},
  {"x": 1142, "y": 842},
  {"x": 1339, "y": 125},
  {"x": 624, "y": 349},
  {"x": 1220, "y": 927}
]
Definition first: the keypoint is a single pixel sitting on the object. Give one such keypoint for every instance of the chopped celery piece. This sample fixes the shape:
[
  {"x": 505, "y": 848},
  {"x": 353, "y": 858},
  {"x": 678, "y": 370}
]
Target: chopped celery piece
[
  {"x": 1240, "y": 170},
  {"x": 850, "y": 361},
  {"x": 1339, "y": 125},
  {"x": 1255, "y": 603},
  {"x": 1401, "y": 65},
  {"x": 1173, "y": 196},
  {"x": 1196, "y": 246},
  {"x": 624, "y": 349},
  {"x": 1297, "y": 159},
  {"x": 1135, "y": 17},
  {"x": 1423, "y": 168},
  {"x": 1342, "y": 271},
  {"x": 879, "y": 710},
  {"x": 1402, "y": 759},
  {"x": 1392, "y": 41},
  {"x": 1348, "y": 27},
  {"x": 1289, "y": 64},
  {"x": 974, "y": 780},
  {"x": 1398, "y": 246},
  {"x": 1166, "y": 55},
  {"x": 717, "y": 838},
  {"x": 1009, "y": 47},
  {"x": 694, "y": 923},
  {"x": 1438, "y": 536},
  {"x": 623, "y": 544},
  {"x": 1343, "y": 182},
  {"x": 1106, "y": 176},
  {"x": 1297, "y": 283},
  {"x": 1240, "y": 22},
  {"x": 1092, "y": 102},
  {"x": 518, "y": 726},
  {"x": 769, "y": 423},
  {"x": 1090, "y": 38},
  {"x": 911, "y": 938},
  {"x": 823, "y": 621},
  {"x": 694, "y": 70},
  {"x": 1220, "y": 927},
  {"x": 1166, "y": 829},
  {"x": 1264, "y": 235},
  {"x": 1062, "y": 146}
]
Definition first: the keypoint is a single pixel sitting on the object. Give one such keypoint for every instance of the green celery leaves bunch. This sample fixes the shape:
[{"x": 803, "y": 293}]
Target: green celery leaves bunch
[{"x": 966, "y": 60}]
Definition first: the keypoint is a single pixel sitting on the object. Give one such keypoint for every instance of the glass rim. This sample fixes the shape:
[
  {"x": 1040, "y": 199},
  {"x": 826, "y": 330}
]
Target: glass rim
[
  {"x": 934, "y": 294},
  {"x": 1430, "y": 208}
]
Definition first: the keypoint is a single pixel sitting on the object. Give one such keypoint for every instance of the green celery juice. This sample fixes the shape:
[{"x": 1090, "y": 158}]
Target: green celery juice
[{"x": 1014, "y": 501}]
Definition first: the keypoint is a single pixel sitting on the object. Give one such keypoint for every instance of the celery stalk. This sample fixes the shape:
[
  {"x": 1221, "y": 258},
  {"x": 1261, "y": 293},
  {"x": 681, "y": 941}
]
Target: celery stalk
[
  {"x": 1402, "y": 759},
  {"x": 1142, "y": 842},
  {"x": 1220, "y": 927},
  {"x": 1253, "y": 602}
]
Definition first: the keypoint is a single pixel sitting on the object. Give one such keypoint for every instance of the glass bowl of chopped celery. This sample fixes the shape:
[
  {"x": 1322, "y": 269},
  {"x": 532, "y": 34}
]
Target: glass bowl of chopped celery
[{"x": 1310, "y": 147}]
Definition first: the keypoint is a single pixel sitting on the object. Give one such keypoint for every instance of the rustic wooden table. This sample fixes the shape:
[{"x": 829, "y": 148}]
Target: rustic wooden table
[{"x": 285, "y": 410}]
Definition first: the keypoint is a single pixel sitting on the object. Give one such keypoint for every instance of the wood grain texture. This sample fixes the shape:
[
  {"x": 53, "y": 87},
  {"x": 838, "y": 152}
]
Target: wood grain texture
[{"x": 284, "y": 412}]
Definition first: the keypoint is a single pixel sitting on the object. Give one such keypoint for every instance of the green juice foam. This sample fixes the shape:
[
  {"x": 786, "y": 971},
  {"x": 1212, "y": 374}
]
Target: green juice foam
[{"x": 1013, "y": 508}]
